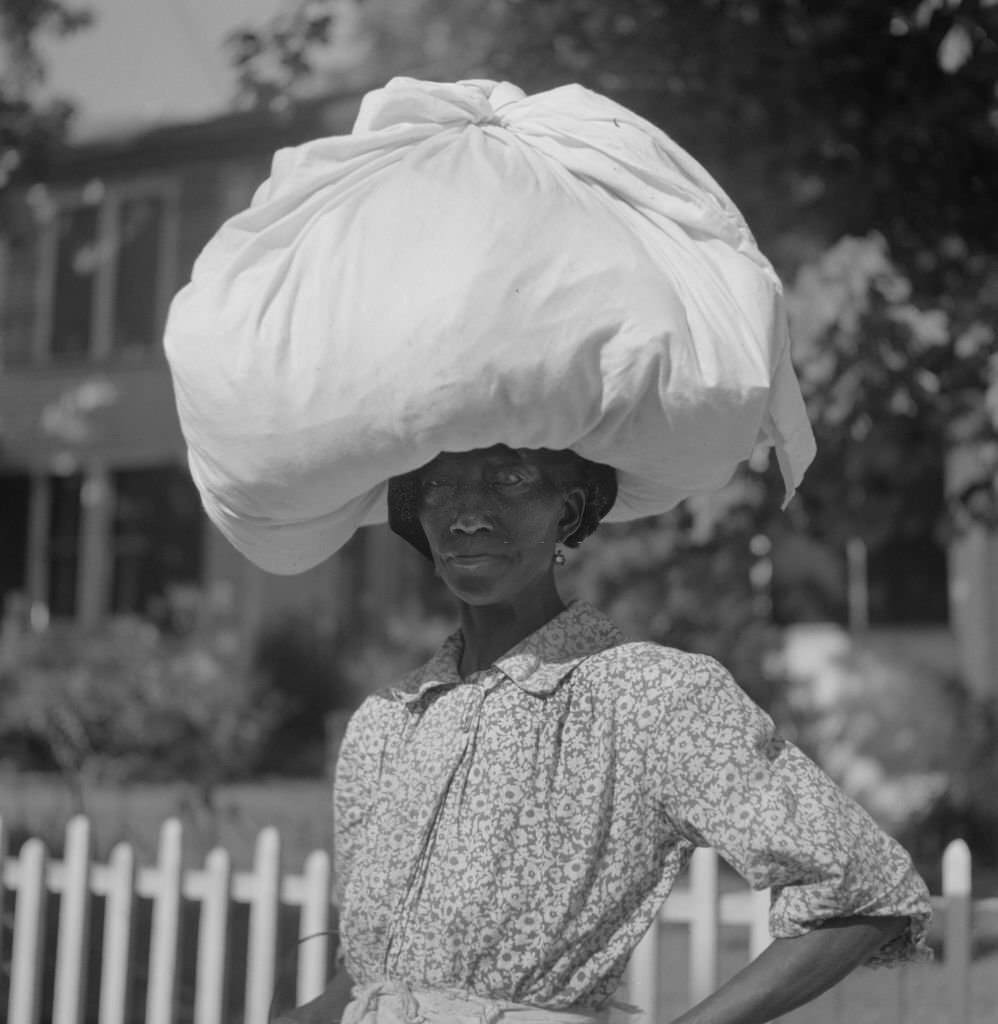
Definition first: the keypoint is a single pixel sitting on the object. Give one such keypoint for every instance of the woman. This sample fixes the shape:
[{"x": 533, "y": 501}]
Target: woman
[
  {"x": 460, "y": 316},
  {"x": 511, "y": 816}
]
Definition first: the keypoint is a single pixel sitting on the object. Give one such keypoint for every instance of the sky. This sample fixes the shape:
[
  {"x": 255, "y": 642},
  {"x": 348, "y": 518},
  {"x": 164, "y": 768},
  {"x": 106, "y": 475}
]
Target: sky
[{"x": 150, "y": 61}]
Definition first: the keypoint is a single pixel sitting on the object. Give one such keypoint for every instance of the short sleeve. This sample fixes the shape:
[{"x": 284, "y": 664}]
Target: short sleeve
[
  {"x": 355, "y": 782},
  {"x": 728, "y": 781}
]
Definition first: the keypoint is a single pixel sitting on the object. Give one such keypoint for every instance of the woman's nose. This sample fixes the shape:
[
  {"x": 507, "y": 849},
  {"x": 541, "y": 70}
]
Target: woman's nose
[{"x": 470, "y": 522}]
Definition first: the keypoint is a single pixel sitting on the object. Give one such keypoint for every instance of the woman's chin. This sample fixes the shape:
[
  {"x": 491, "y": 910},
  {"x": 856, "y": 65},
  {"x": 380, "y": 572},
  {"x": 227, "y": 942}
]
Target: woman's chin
[
  {"x": 475, "y": 588},
  {"x": 494, "y": 584}
]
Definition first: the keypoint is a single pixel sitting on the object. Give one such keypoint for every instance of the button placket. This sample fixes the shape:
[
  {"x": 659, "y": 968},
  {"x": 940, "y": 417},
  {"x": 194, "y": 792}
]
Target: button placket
[
  {"x": 467, "y": 721},
  {"x": 472, "y": 708}
]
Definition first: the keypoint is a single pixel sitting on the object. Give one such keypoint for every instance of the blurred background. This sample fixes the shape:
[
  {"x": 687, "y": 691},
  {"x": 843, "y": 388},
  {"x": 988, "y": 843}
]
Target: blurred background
[{"x": 146, "y": 669}]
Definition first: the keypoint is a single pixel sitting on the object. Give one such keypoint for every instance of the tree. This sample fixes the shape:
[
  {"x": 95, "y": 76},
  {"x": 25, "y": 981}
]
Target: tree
[{"x": 28, "y": 125}]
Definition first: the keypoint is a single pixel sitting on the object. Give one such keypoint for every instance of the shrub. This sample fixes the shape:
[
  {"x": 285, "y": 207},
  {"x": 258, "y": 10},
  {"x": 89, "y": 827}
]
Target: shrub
[
  {"x": 910, "y": 743},
  {"x": 131, "y": 700}
]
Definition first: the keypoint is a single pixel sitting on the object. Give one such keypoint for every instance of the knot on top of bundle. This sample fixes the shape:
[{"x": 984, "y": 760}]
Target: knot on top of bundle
[{"x": 408, "y": 101}]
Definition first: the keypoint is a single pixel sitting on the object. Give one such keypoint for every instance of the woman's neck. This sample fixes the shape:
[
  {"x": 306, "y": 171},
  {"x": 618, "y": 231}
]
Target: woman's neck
[{"x": 489, "y": 631}]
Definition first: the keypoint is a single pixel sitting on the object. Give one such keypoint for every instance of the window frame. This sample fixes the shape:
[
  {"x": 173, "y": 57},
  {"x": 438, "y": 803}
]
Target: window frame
[
  {"x": 94, "y": 538},
  {"x": 112, "y": 198}
]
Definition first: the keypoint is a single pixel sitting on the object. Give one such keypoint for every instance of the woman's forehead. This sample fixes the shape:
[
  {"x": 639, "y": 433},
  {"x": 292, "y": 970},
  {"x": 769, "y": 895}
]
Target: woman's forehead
[{"x": 498, "y": 454}]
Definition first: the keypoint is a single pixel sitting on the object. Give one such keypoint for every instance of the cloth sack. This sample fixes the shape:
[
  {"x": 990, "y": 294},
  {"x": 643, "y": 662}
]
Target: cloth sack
[{"x": 474, "y": 266}]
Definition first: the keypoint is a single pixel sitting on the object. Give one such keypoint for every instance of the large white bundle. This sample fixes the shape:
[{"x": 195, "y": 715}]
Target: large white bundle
[{"x": 474, "y": 266}]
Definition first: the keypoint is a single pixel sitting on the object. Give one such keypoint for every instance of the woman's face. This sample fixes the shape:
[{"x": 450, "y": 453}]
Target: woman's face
[{"x": 492, "y": 518}]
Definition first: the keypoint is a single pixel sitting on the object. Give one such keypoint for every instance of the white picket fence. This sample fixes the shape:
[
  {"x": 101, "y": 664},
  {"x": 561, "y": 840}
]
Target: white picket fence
[{"x": 61, "y": 997}]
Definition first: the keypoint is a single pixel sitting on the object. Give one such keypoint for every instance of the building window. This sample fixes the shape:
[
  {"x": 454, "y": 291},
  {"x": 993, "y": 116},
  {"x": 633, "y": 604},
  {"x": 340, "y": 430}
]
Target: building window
[
  {"x": 141, "y": 226},
  {"x": 76, "y": 262},
  {"x": 15, "y": 503},
  {"x": 63, "y": 549},
  {"x": 111, "y": 269},
  {"x": 156, "y": 538},
  {"x": 151, "y": 541}
]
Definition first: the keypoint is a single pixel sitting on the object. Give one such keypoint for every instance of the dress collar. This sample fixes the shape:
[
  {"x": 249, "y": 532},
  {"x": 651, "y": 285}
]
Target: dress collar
[{"x": 537, "y": 664}]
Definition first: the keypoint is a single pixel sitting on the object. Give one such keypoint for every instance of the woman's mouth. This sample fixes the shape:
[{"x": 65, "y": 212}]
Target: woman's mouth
[{"x": 472, "y": 562}]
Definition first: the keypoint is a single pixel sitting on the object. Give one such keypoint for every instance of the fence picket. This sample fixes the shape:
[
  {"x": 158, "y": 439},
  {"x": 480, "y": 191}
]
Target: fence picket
[
  {"x": 213, "y": 938},
  {"x": 899, "y": 1010},
  {"x": 119, "y": 905},
  {"x": 313, "y": 927},
  {"x": 642, "y": 973},
  {"x": 29, "y": 935},
  {"x": 704, "y": 925},
  {"x": 838, "y": 1001},
  {"x": 74, "y": 926},
  {"x": 3, "y": 882},
  {"x": 759, "y": 937},
  {"x": 261, "y": 956},
  {"x": 957, "y": 929},
  {"x": 165, "y": 925}
]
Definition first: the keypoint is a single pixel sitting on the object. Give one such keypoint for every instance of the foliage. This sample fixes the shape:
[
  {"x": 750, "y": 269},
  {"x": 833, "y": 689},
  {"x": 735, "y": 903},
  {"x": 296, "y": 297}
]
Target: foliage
[
  {"x": 905, "y": 739},
  {"x": 39, "y": 804},
  {"x": 891, "y": 385},
  {"x": 21, "y": 22},
  {"x": 397, "y": 643},
  {"x": 132, "y": 700},
  {"x": 315, "y": 45},
  {"x": 28, "y": 126},
  {"x": 695, "y": 579},
  {"x": 300, "y": 665},
  {"x": 270, "y": 62}
]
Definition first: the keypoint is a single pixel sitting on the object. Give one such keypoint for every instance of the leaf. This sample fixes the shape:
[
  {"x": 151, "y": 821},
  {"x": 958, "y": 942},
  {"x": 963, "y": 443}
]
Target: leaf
[
  {"x": 955, "y": 49},
  {"x": 975, "y": 339},
  {"x": 320, "y": 29},
  {"x": 930, "y": 328},
  {"x": 244, "y": 46}
]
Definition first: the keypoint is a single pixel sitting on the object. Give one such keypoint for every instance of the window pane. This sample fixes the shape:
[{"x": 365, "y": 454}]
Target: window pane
[
  {"x": 136, "y": 321},
  {"x": 64, "y": 543},
  {"x": 15, "y": 496},
  {"x": 156, "y": 539},
  {"x": 19, "y": 306},
  {"x": 77, "y": 258}
]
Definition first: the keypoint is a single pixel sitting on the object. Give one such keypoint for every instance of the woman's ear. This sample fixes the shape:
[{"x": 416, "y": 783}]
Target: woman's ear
[{"x": 571, "y": 517}]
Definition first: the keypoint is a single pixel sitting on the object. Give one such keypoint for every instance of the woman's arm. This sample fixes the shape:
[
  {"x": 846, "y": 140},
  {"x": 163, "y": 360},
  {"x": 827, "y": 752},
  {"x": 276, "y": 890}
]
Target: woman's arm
[
  {"x": 326, "y": 1008},
  {"x": 791, "y": 972},
  {"x": 729, "y": 781}
]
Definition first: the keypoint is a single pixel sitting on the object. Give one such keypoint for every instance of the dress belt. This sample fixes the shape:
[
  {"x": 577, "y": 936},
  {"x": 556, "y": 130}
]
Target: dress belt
[{"x": 396, "y": 1002}]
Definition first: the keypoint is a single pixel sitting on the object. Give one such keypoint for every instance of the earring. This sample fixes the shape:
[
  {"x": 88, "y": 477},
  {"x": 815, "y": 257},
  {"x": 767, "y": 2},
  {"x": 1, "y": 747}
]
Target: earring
[{"x": 559, "y": 556}]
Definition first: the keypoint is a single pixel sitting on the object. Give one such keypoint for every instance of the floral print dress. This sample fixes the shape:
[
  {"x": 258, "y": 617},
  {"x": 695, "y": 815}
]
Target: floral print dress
[{"x": 512, "y": 834}]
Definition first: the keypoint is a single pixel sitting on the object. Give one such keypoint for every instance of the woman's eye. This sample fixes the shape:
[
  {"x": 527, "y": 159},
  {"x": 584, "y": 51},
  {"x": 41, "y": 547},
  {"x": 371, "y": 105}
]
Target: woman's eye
[
  {"x": 509, "y": 477},
  {"x": 435, "y": 489}
]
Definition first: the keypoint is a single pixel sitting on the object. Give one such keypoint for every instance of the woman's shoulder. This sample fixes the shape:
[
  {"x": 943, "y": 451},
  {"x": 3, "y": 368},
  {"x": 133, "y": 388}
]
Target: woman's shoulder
[
  {"x": 644, "y": 668},
  {"x": 648, "y": 659},
  {"x": 381, "y": 707}
]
